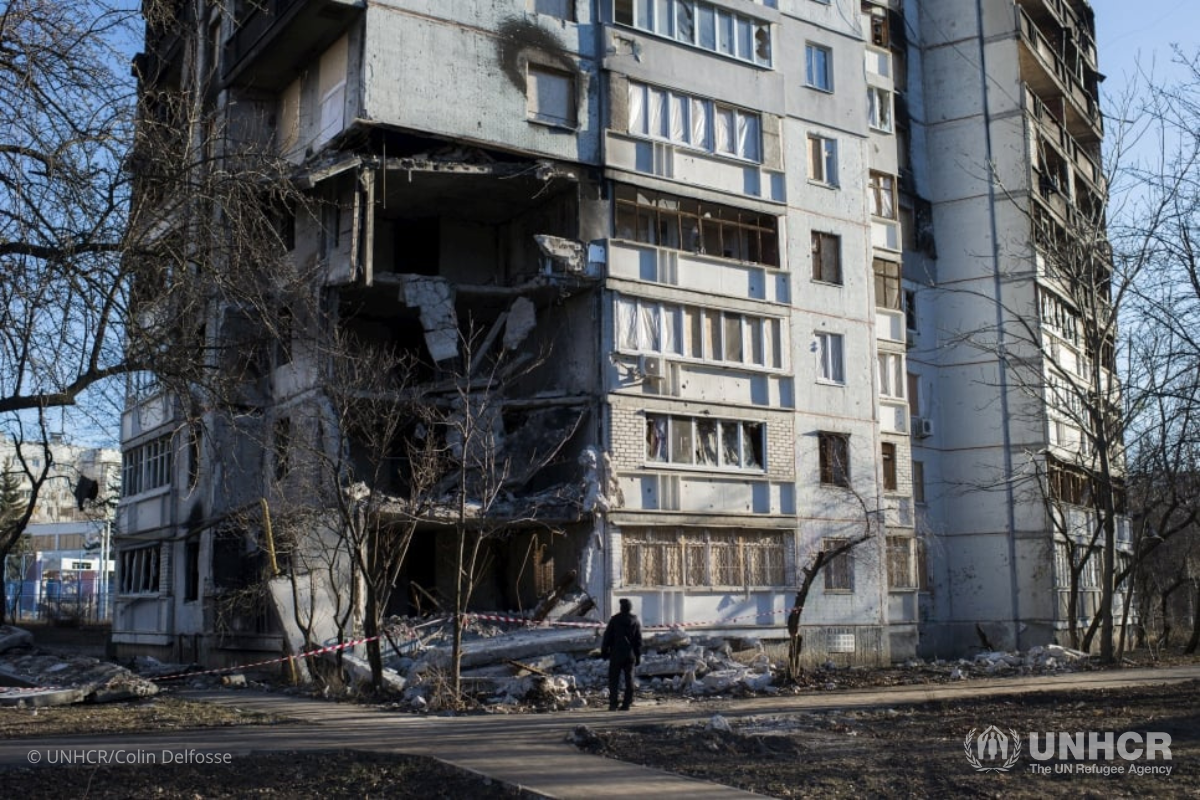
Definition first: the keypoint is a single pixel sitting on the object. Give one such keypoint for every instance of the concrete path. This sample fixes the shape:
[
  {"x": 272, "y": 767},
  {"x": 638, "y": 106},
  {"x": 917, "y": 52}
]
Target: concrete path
[{"x": 532, "y": 750}]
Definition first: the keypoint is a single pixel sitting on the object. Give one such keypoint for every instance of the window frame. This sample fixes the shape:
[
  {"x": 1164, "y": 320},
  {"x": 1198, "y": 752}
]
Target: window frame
[
  {"x": 824, "y": 242},
  {"x": 893, "y": 375},
  {"x": 539, "y": 115},
  {"x": 823, "y": 160},
  {"x": 889, "y": 293},
  {"x": 881, "y": 116},
  {"x": 818, "y": 76},
  {"x": 881, "y": 186},
  {"x": 688, "y": 225},
  {"x": 690, "y": 557},
  {"x": 833, "y": 456},
  {"x": 667, "y": 433},
  {"x": 667, "y": 115},
  {"x": 148, "y": 466},
  {"x": 715, "y": 29},
  {"x": 839, "y": 570},
  {"x": 887, "y": 457},
  {"x": 831, "y": 361}
]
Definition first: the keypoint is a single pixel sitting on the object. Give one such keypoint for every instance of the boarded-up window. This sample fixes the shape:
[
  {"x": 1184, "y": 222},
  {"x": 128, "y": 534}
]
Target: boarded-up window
[{"x": 550, "y": 96}]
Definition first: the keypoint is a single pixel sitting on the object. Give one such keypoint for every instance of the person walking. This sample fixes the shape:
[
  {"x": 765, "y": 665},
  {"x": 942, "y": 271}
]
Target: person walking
[{"x": 622, "y": 646}]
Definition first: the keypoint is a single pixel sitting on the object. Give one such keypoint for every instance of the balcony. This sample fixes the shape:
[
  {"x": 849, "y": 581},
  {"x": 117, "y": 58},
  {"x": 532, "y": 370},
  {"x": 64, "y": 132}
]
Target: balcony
[
  {"x": 274, "y": 36},
  {"x": 1082, "y": 164},
  {"x": 1048, "y": 75},
  {"x": 1061, "y": 14}
]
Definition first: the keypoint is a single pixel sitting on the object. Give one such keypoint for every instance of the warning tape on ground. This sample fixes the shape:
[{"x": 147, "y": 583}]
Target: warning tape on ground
[
  {"x": 660, "y": 627},
  {"x": 332, "y": 648}
]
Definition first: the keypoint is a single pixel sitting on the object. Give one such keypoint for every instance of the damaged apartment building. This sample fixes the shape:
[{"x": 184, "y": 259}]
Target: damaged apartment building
[{"x": 686, "y": 249}]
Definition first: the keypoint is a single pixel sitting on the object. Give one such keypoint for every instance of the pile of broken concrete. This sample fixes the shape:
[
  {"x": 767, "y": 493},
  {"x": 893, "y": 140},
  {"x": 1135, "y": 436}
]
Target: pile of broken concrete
[
  {"x": 32, "y": 677},
  {"x": 561, "y": 667}
]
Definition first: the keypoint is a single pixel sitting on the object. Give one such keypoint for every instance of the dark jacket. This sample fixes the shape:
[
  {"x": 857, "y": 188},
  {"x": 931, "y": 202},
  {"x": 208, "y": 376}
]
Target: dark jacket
[{"x": 622, "y": 639}]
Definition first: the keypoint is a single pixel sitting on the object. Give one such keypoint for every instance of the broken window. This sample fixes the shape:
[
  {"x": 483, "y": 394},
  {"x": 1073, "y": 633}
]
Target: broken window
[
  {"x": 879, "y": 108},
  {"x": 827, "y": 257},
  {"x": 672, "y": 439},
  {"x": 839, "y": 570},
  {"x": 888, "y": 456},
  {"x": 191, "y": 570},
  {"x": 139, "y": 570},
  {"x": 146, "y": 466},
  {"x": 834, "y": 454},
  {"x": 694, "y": 122},
  {"x": 550, "y": 96},
  {"x": 887, "y": 284},
  {"x": 822, "y": 160},
  {"x": 678, "y": 223},
  {"x": 830, "y": 364},
  {"x": 703, "y": 557},
  {"x": 882, "y": 191},
  {"x": 702, "y": 25}
]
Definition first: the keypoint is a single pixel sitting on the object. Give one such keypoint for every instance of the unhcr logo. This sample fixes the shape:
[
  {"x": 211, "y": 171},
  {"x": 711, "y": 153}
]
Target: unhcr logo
[
  {"x": 993, "y": 750},
  {"x": 997, "y": 750}
]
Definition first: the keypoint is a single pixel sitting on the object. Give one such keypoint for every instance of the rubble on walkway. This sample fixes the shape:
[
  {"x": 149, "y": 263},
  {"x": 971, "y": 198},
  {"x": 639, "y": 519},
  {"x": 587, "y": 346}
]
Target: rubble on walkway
[
  {"x": 549, "y": 667},
  {"x": 42, "y": 678}
]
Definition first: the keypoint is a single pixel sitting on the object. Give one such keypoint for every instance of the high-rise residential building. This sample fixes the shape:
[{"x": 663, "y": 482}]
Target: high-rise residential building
[{"x": 724, "y": 258}]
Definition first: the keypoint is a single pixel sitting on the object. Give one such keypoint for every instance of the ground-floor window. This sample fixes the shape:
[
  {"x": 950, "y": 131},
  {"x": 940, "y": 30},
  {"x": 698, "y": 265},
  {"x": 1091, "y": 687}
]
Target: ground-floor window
[
  {"x": 704, "y": 557},
  {"x": 139, "y": 570}
]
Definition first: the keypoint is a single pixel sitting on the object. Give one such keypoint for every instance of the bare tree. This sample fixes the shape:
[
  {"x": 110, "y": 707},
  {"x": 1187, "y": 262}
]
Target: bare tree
[{"x": 827, "y": 553}]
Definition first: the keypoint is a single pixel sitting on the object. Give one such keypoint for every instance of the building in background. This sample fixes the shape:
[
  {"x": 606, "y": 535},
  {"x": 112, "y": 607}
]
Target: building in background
[
  {"x": 63, "y": 566},
  {"x": 750, "y": 234}
]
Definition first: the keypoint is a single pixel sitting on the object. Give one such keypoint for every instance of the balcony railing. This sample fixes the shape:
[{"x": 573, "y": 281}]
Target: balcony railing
[{"x": 1066, "y": 80}]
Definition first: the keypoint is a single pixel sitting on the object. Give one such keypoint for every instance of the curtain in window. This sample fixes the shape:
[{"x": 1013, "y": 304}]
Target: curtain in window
[
  {"x": 724, "y": 129},
  {"x": 679, "y": 121},
  {"x": 749, "y": 137},
  {"x": 627, "y": 323},
  {"x": 657, "y": 112},
  {"x": 701, "y": 112},
  {"x": 637, "y": 108}
]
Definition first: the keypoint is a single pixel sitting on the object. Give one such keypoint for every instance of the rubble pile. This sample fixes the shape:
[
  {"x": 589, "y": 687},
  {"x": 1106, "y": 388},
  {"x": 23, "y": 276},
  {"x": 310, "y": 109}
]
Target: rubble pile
[
  {"x": 554, "y": 668},
  {"x": 68, "y": 679}
]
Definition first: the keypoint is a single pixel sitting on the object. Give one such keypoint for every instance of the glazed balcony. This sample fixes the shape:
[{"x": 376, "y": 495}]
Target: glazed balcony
[{"x": 273, "y": 36}]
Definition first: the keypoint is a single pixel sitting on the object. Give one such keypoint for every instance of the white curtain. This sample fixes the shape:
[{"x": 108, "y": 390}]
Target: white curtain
[
  {"x": 637, "y": 108},
  {"x": 679, "y": 121},
  {"x": 627, "y": 332},
  {"x": 748, "y": 136},
  {"x": 657, "y": 100},
  {"x": 724, "y": 130},
  {"x": 701, "y": 112}
]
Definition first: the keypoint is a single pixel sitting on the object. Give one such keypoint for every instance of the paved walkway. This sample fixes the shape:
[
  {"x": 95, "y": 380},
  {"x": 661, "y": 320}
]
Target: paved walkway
[{"x": 532, "y": 750}]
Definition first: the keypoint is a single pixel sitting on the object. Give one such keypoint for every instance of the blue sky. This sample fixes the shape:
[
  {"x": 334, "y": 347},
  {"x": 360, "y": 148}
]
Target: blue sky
[{"x": 1127, "y": 30}]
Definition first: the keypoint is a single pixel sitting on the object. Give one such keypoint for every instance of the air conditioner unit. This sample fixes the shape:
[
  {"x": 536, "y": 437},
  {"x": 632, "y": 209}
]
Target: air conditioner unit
[
  {"x": 653, "y": 368},
  {"x": 922, "y": 427}
]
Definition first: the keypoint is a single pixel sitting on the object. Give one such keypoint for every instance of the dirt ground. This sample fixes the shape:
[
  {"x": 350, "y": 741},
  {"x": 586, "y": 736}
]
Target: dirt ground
[
  {"x": 918, "y": 751},
  {"x": 906, "y": 751},
  {"x": 273, "y": 775}
]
